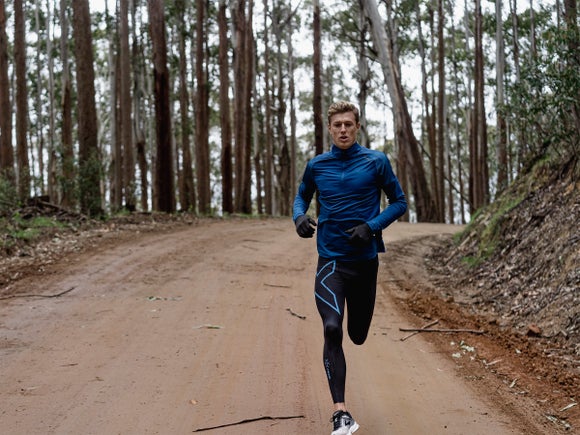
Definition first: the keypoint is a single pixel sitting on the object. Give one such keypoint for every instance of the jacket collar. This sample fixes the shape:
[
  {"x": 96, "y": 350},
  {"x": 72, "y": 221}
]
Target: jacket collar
[{"x": 345, "y": 154}]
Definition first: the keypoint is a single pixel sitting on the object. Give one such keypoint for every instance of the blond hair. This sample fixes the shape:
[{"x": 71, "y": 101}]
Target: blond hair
[{"x": 343, "y": 107}]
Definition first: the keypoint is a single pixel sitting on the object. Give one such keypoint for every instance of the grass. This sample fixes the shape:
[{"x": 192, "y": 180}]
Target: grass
[{"x": 18, "y": 229}]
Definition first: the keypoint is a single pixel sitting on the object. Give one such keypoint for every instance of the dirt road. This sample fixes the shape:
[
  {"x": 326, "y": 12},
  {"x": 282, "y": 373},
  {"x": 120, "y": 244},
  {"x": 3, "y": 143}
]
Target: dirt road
[{"x": 210, "y": 325}]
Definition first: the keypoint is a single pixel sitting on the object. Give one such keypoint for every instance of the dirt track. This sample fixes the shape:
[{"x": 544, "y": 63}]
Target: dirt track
[{"x": 210, "y": 325}]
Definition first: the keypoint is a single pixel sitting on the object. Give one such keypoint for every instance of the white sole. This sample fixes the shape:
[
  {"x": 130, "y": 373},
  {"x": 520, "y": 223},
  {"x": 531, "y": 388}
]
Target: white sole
[{"x": 353, "y": 429}]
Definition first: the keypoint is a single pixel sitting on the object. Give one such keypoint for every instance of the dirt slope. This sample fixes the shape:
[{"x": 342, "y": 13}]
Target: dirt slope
[{"x": 214, "y": 323}]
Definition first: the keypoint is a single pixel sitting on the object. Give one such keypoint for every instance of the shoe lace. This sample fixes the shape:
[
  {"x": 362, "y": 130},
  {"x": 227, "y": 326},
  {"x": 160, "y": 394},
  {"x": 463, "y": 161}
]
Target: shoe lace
[{"x": 337, "y": 419}]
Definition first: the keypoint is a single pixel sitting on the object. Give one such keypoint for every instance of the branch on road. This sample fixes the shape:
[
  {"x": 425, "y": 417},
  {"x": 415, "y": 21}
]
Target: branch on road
[
  {"x": 248, "y": 420},
  {"x": 28, "y": 295},
  {"x": 419, "y": 330},
  {"x": 471, "y": 331},
  {"x": 296, "y": 315}
]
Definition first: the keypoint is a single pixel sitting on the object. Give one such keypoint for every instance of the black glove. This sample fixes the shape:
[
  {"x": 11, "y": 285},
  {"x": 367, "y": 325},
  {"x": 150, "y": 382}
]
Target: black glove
[
  {"x": 360, "y": 236},
  {"x": 305, "y": 226}
]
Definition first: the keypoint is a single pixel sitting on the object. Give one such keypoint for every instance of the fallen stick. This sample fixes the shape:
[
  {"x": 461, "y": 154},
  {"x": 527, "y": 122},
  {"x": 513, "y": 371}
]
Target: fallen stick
[
  {"x": 248, "y": 420},
  {"x": 294, "y": 314},
  {"x": 28, "y": 295},
  {"x": 434, "y": 322},
  {"x": 276, "y": 285},
  {"x": 472, "y": 331}
]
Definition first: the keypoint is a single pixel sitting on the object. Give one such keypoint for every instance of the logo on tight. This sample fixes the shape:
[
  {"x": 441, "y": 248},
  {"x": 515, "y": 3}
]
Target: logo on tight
[
  {"x": 329, "y": 267},
  {"x": 327, "y": 368}
]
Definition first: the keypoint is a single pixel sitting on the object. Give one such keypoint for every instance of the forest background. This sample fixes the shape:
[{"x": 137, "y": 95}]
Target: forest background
[{"x": 213, "y": 107}]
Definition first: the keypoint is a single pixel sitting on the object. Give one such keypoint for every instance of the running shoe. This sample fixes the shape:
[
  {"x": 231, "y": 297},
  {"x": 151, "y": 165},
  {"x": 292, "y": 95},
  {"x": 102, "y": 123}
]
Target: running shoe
[{"x": 343, "y": 423}]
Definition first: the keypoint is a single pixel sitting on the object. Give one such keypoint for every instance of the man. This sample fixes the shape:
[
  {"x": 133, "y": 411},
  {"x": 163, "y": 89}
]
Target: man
[{"x": 349, "y": 180}]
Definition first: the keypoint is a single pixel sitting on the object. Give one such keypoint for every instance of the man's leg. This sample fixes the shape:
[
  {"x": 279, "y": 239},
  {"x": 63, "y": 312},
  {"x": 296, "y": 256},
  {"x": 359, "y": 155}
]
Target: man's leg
[
  {"x": 360, "y": 298},
  {"x": 329, "y": 293}
]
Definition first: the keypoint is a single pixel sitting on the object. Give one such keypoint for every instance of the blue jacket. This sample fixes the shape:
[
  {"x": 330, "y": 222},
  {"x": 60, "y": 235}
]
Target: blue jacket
[{"x": 349, "y": 184}]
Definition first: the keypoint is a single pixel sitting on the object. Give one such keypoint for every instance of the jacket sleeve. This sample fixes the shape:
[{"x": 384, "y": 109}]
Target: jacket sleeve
[
  {"x": 395, "y": 195},
  {"x": 305, "y": 193}
]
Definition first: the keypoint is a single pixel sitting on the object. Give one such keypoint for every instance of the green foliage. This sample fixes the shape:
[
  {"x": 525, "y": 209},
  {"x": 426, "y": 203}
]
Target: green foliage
[
  {"x": 487, "y": 226},
  {"x": 545, "y": 105},
  {"x": 89, "y": 187},
  {"x": 16, "y": 228},
  {"x": 8, "y": 197}
]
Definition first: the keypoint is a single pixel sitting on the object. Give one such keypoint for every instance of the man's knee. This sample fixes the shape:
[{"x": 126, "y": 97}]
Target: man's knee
[
  {"x": 333, "y": 332},
  {"x": 358, "y": 335}
]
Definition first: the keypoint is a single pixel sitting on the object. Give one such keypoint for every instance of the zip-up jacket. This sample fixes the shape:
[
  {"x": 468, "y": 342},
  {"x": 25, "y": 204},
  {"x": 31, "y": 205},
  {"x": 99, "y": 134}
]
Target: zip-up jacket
[{"x": 349, "y": 184}]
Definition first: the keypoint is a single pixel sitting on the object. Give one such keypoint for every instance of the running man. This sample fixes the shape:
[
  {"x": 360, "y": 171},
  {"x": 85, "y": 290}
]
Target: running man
[{"x": 348, "y": 180}]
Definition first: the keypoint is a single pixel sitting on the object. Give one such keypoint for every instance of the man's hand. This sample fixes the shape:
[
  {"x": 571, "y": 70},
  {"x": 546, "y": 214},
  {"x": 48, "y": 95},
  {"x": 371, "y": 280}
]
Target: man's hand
[
  {"x": 360, "y": 236},
  {"x": 305, "y": 226}
]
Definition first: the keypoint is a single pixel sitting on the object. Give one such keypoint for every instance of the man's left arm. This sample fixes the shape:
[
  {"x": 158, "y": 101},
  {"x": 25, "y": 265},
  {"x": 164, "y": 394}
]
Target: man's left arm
[{"x": 395, "y": 195}]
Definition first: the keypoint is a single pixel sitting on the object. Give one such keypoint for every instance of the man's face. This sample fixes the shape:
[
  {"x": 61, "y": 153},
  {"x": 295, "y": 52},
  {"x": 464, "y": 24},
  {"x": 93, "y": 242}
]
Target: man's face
[{"x": 343, "y": 129}]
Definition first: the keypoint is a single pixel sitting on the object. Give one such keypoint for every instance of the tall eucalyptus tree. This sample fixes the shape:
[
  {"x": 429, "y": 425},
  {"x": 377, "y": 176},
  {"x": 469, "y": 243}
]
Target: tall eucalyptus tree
[
  {"x": 424, "y": 204},
  {"x": 23, "y": 166},
  {"x": 164, "y": 190},
  {"x": 89, "y": 161},
  {"x": 6, "y": 148}
]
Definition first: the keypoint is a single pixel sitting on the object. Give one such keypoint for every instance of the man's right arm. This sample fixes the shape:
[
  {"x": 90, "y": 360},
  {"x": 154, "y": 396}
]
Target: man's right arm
[
  {"x": 304, "y": 223},
  {"x": 305, "y": 193}
]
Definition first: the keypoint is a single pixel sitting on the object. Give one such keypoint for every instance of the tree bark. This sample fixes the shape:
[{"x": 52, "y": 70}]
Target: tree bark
[
  {"x": 139, "y": 126},
  {"x": 291, "y": 97},
  {"x": 248, "y": 84},
  {"x": 6, "y": 149},
  {"x": 202, "y": 114},
  {"x": 89, "y": 161},
  {"x": 479, "y": 168},
  {"x": 225, "y": 116},
  {"x": 319, "y": 121},
  {"x": 68, "y": 166},
  {"x": 441, "y": 113},
  {"x": 269, "y": 157},
  {"x": 164, "y": 193},
  {"x": 126, "y": 109},
  {"x": 115, "y": 172},
  {"x": 364, "y": 76},
  {"x": 404, "y": 135},
  {"x": 21, "y": 102},
  {"x": 187, "y": 188},
  {"x": 502, "y": 164}
]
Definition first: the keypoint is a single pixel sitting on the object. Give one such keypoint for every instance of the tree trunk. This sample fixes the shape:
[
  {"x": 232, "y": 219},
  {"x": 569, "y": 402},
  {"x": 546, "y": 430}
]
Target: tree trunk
[
  {"x": 404, "y": 135},
  {"x": 39, "y": 124},
  {"x": 51, "y": 184},
  {"x": 319, "y": 121},
  {"x": 431, "y": 114},
  {"x": 202, "y": 114},
  {"x": 571, "y": 11},
  {"x": 68, "y": 166},
  {"x": 457, "y": 129},
  {"x": 116, "y": 166},
  {"x": 441, "y": 113},
  {"x": 248, "y": 85},
  {"x": 292, "y": 97},
  {"x": 480, "y": 188},
  {"x": 269, "y": 157},
  {"x": 138, "y": 122},
  {"x": 364, "y": 76},
  {"x": 225, "y": 117},
  {"x": 21, "y": 102},
  {"x": 126, "y": 109},
  {"x": 239, "y": 19},
  {"x": 187, "y": 191},
  {"x": 89, "y": 162},
  {"x": 163, "y": 198},
  {"x": 6, "y": 149},
  {"x": 502, "y": 164}
]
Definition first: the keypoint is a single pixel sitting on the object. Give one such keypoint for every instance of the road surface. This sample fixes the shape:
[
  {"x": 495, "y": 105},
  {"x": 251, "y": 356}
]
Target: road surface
[{"x": 214, "y": 325}]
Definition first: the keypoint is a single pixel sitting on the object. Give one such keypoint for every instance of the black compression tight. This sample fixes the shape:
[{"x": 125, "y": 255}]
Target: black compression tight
[{"x": 337, "y": 283}]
